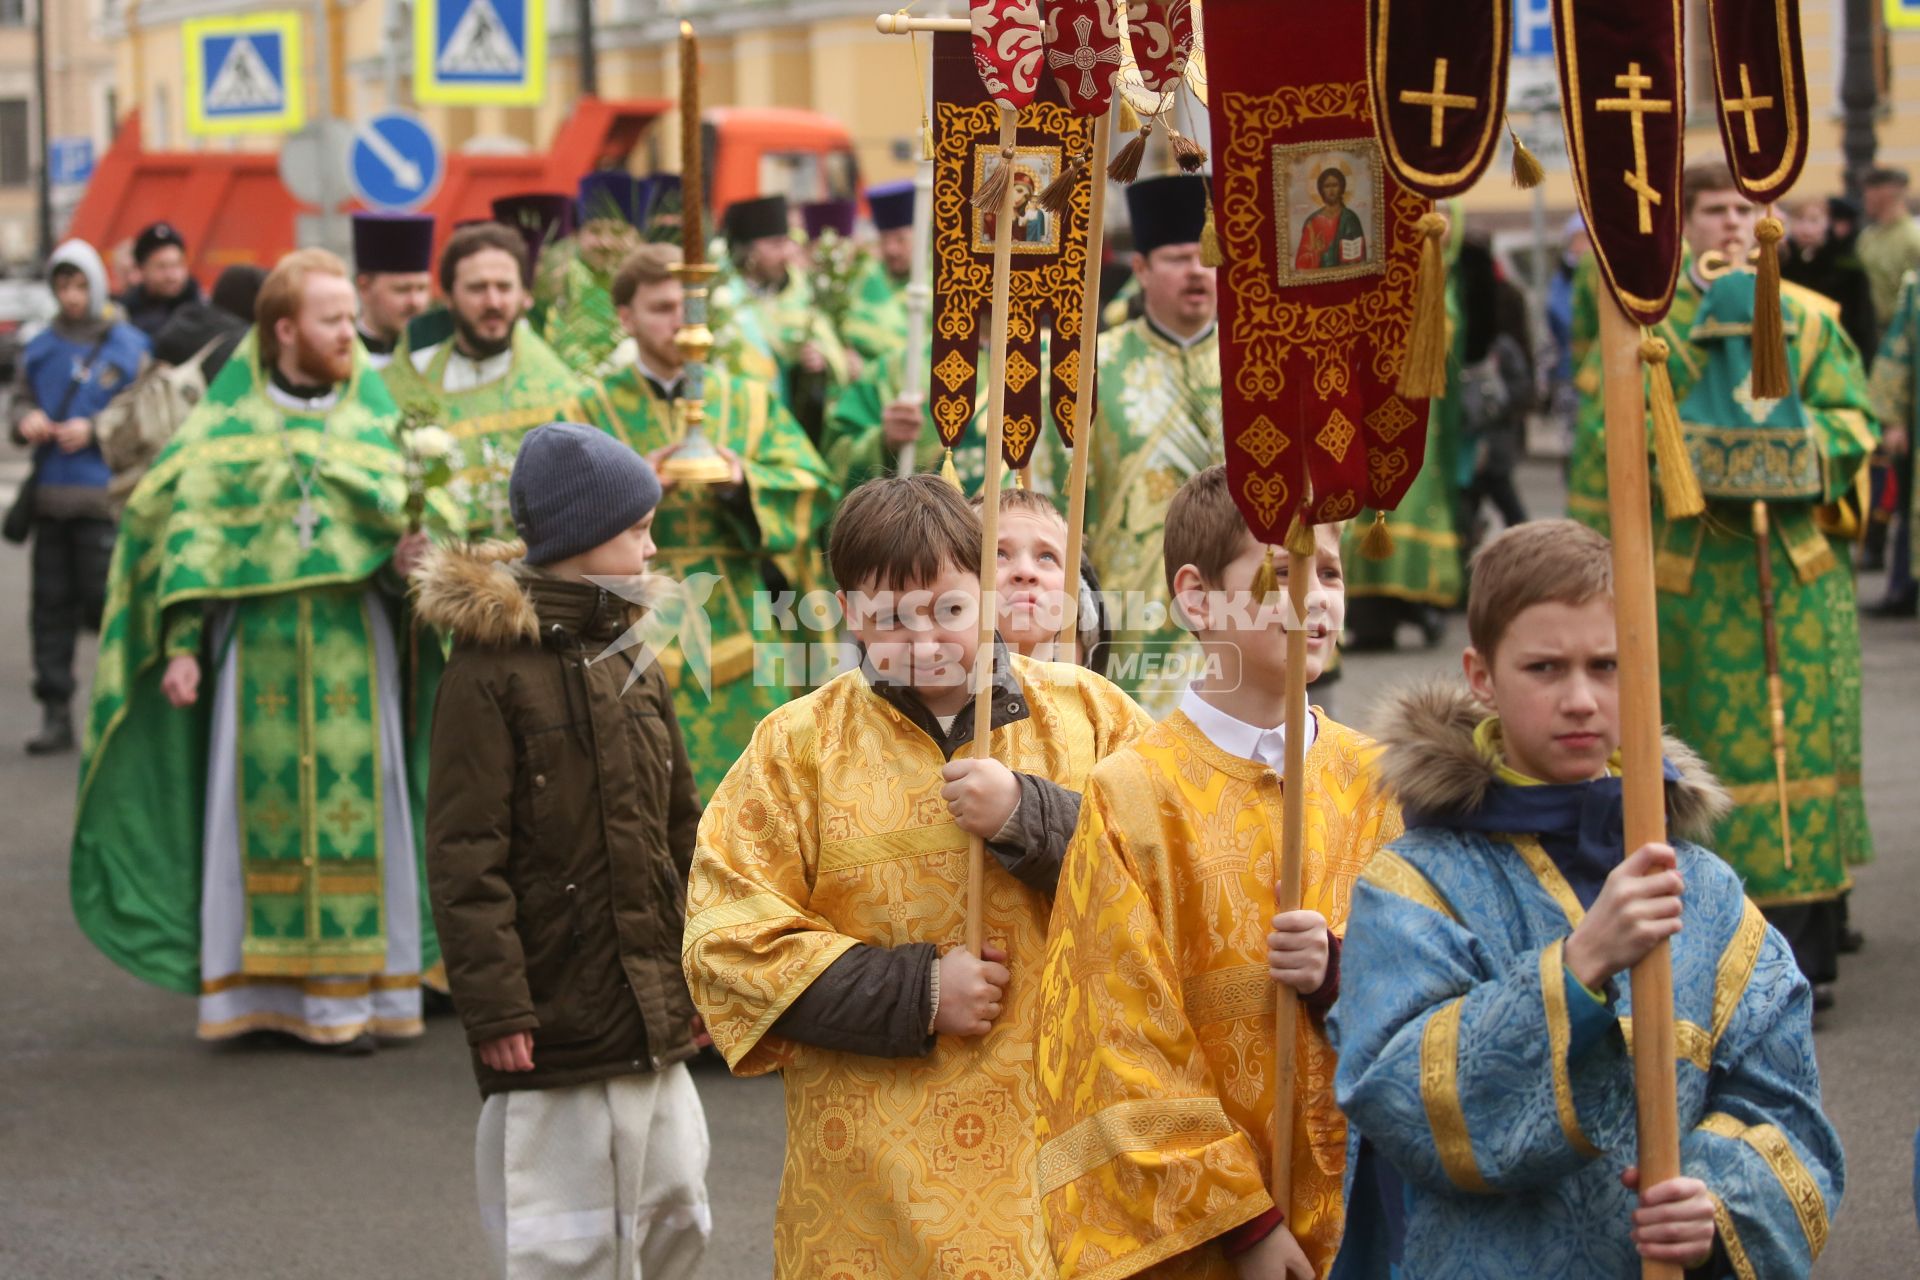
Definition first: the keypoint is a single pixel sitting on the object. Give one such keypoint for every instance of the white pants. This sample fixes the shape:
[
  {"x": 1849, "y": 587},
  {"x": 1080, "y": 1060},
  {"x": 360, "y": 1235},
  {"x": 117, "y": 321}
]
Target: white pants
[{"x": 603, "y": 1181}]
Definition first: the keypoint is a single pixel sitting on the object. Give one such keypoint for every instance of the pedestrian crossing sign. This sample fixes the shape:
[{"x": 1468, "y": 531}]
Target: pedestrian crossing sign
[
  {"x": 469, "y": 52},
  {"x": 243, "y": 74}
]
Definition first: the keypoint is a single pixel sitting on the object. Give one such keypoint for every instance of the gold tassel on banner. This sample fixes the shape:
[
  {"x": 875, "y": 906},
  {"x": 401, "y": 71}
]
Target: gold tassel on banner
[
  {"x": 1126, "y": 120},
  {"x": 1126, "y": 161},
  {"x": 1188, "y": 154},
  {"x": 1770, "y": 380},
  {"x": 1299, "y": 537},
  {"x": 926, "y": 138},
  {"x": 948, "y": 474},
  {"x": 1425, "y": 374},
  {"x": 1528, "y": 172},
  {"x": 1680, "y": 495},
  {"x": 1210, "y": 254},
  {"x": 1020, "y": 480},
  {"x": 993, "y": 192},
  {"x": 1058, "y": 197},
  {"x": 1266, "y": 580},
  {"x": 1377, "y": 542}
]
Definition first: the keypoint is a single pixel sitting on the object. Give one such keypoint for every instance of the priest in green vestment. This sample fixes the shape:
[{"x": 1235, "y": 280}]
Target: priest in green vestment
[
  {"x": 579, "y": 320},
  {"x": 751, "y": 533},
  {"x": 1157, "y": 425},
  {"x": 876, "y": 323},
  {"x": 250, "y": 796},
  {"x": 1806, "y": 459},
  {"x": 765, "y": 318},
  {"x": 480, "y": 367}
]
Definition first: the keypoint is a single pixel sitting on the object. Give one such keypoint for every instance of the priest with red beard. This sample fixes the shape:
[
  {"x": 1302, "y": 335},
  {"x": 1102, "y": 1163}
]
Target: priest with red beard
[{"x": 247, "y": 820}]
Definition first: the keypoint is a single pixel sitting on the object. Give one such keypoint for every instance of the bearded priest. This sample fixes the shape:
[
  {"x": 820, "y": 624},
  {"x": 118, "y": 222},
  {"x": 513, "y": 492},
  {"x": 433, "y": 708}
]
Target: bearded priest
[{"x": 246, "y": 825}]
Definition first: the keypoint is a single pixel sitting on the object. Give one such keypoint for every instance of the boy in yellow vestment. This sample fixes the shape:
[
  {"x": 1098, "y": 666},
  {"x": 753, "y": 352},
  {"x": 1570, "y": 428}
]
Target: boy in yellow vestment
[
  {"x": 1156, "y": 1055},
  {"x": 828, "y": 900}
]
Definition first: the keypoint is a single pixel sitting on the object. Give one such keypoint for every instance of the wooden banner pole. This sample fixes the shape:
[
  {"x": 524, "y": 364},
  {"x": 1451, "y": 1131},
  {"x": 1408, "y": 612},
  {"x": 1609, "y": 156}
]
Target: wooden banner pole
[
  {"x": 1293, "y": 825},
  {"x": 990, "y": 520},
  {"x": 1083, "y": 403},
  {"x": 1630, "y": 509}
]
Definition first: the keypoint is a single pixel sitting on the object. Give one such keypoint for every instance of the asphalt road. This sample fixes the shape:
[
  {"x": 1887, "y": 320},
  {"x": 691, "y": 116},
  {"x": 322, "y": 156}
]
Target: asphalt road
[{"x": 129, "y": 1151}]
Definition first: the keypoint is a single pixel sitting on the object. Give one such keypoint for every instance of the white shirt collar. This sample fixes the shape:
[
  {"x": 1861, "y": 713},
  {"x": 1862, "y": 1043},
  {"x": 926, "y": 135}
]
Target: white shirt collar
[
  {"x": 1237, "y": 737},
  {"x": 1185, "y": 344},
  {"x": 667, "y": 384},
  {"x": 294, "y": 404}
]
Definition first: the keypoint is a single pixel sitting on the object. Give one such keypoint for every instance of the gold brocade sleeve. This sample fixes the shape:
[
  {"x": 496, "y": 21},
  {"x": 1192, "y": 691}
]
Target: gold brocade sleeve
[
  {"x": 1139, "y": 1160},
  {"x": 752, "y": 943}
]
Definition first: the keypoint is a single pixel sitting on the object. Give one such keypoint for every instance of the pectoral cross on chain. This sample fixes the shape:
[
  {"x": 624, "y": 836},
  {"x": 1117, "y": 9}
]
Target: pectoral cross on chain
[
  {"x": 1439, "y": 101},
  {"x": 1638, "y": 109},
  {"x": 304, "y": 519},
  {"x": 1747, "y": 106}
]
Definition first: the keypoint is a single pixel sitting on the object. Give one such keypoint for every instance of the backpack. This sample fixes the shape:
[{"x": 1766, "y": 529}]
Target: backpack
[{"x": 134, "y": 428}]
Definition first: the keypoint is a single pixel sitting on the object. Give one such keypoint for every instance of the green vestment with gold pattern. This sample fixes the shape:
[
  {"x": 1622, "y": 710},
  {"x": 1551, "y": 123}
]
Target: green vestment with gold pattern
[
  {"x": 704, "y": 529},
  {"x": 854, "y": 442},
  {"x": 1712, "y": 647},
  {"x": 760, "y": 332},
  {"x": 487, "y": 422},
  {"x": 214, "y": 530},
  {"x": 876, "y": 322}
]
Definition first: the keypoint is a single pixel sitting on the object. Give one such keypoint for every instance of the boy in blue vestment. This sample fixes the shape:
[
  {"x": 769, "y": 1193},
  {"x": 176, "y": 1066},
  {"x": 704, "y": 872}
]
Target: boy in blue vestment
[{"x": 1484, "y": 1025}]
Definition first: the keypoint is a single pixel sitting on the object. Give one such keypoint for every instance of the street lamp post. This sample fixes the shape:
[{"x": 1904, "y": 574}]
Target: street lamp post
[
  {"x": 1859, "y": 94},
  {"x": 41, "y": 111}
]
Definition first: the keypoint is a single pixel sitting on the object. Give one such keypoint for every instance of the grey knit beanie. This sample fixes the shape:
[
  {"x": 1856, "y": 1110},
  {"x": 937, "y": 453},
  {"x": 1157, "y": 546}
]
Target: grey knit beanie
[{"x": 575, "y": 487}]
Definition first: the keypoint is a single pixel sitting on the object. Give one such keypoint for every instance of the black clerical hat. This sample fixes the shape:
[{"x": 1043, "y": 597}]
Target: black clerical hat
[
  {"x": 1167, "y": 210},
  {"x": 757, "y": 219},
  {"x": 891, "y": 204},
  {"x": 392, "y": 243}
]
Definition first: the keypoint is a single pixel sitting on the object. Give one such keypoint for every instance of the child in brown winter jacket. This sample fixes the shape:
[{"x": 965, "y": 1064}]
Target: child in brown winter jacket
[{"x": 561, "y": 822}]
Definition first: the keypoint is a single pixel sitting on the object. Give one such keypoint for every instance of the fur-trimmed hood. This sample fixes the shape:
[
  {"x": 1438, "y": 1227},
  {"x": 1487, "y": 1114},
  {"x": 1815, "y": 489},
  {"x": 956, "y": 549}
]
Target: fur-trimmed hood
[
  {"x": 1432, "y": 765},
  {"x": 473, "y": 592},
  {"x": 486, "y": 594}
]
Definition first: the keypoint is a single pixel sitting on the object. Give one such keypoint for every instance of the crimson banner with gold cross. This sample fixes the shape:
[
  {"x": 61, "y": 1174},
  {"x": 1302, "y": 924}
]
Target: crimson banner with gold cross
[
  {"x": 1760, "y": 84},
  {"x": 1049, "y": 252},
  {"x": 1623, "y": 99},
  {"x": 1320, "y": 256},
  {"x": 1437, "y": 70}
]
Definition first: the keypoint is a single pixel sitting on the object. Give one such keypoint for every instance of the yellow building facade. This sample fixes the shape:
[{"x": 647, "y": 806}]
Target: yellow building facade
[{"x": 824, "y": 55}]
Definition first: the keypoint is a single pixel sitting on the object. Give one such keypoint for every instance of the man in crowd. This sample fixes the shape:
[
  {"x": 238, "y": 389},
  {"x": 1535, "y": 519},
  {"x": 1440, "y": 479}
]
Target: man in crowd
[
  {"x": 393, "y": 274},
  {"x": 166, "y": 284},
  {"x": 479, "y": 363},
  {"x": 876, "y": 323},
  {"x": 1889, "y": 245},
  {"x": 766, "y": 309},
  {"x": 65, "y": 378}
]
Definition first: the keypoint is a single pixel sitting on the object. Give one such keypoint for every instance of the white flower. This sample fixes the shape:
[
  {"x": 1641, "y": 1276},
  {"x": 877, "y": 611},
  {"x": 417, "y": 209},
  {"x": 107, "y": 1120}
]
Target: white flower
[{"x": 431, "y": 444}]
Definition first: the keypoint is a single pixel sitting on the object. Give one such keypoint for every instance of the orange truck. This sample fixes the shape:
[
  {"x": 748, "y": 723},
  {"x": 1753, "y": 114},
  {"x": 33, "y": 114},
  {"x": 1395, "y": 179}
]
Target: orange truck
[{"x": 231, "y": 207}]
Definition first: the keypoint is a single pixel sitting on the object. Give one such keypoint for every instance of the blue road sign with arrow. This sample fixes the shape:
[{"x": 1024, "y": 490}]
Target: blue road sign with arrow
[{"x": 395, "y": 162}]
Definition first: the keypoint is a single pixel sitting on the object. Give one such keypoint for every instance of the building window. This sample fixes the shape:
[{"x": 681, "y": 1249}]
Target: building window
[
  {"x": 14, "y": 147},
  {"x": 13, "y": 13}
]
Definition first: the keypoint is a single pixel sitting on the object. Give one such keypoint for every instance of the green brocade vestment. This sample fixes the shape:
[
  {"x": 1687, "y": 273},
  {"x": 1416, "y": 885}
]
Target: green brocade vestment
[
  {"x": 1713, "y": 682},
  {"x": 702, "y": 529},
  {"x": 216, "y": 523},
  {"x": 487, "y": 422},
  {"x": 876, "y": 322}
]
